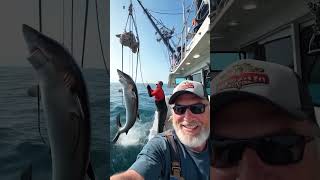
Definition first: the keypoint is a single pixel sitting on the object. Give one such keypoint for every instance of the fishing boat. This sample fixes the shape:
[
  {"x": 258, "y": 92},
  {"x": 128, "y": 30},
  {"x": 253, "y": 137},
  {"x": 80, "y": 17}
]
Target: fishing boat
[
  {"x": 191, "y": 59},
  {"x": 194, "y": 60},
  {"x": 284, "y": 32}
]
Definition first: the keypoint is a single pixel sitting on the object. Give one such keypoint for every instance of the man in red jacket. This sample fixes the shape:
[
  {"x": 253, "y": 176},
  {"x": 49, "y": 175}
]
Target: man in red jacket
[{"x": 160, "y": 102}]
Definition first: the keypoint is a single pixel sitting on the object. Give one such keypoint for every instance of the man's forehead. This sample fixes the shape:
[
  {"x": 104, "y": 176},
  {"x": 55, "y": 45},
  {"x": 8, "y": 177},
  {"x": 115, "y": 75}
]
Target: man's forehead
[
  {"x": 188, "y": 96},
  {"x": 253, "y": 118}
]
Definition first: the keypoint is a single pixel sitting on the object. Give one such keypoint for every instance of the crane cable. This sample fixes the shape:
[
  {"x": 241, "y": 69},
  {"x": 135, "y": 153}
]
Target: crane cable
[
  {"x": 84, "y": 32},
  {"x": 132, "y": 23},
  {"x": 38, "y": 87},
  {"x": 99, "y": 33}
]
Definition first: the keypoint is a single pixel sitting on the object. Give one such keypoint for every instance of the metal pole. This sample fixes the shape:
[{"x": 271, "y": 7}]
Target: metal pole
[{"x": 165, "y": 40}]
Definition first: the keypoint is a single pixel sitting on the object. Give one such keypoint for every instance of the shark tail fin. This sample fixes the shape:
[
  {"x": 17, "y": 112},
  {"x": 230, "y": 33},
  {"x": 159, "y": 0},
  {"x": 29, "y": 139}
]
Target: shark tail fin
[
  {"x": 90, "y": 172},
  {"x": 114, "y": 140}
]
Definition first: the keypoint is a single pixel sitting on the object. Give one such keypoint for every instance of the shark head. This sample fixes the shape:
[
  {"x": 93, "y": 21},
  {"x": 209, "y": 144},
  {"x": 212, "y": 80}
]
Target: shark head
[
  {"x": 49, "y": 48},
  {"x": 124, "y": 78}
]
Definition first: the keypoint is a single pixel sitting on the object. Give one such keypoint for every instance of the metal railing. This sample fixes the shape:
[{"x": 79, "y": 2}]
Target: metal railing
[{"x": 202, "y": 12}]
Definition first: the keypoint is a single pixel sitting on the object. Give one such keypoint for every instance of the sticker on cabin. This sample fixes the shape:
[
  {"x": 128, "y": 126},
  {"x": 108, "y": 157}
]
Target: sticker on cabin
[{"x": 241, "y": 75}]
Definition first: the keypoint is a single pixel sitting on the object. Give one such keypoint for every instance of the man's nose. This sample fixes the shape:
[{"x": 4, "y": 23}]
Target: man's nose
[
  {"x": 251, "y": 167},
  {"x": 188, "y": 114}
]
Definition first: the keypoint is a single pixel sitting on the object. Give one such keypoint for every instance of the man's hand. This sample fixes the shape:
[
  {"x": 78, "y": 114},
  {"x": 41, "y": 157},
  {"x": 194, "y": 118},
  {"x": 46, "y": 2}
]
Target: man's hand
[
  {"x": 149, "y": 90},
  {"x": 127, "y": 175}
]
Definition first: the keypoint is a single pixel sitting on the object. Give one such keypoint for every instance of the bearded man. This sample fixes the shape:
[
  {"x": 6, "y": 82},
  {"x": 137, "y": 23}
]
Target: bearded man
[{"x": 181, "y": 153}]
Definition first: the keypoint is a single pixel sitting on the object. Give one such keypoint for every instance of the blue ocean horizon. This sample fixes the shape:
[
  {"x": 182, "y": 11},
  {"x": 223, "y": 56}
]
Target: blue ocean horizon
[{"x": 20, "y": 141}]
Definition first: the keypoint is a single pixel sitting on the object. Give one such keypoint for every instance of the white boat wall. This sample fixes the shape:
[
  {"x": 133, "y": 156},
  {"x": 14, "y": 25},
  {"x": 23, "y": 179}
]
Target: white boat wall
[{"x": 275, "y": 31}]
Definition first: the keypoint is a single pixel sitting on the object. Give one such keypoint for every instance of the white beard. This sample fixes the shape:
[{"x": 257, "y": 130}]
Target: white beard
[{"x": 189, "y": 140}]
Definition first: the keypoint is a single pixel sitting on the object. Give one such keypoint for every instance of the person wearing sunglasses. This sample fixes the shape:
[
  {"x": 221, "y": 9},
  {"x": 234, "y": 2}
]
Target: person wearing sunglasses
[
  {"x": 263, "y": 124},
  {"x": 181, "y": 153},
  {"x": 160, "y": 102}
]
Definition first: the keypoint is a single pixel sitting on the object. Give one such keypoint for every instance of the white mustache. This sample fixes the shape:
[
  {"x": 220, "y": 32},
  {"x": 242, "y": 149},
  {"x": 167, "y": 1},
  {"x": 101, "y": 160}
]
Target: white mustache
[{"x": 192, "y": 123}]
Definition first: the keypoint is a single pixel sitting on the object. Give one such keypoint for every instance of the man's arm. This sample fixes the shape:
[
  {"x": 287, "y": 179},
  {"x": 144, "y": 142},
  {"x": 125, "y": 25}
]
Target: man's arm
[
  {"x": 154, "y": 92},
  {"x": 127, "y": 175},
  {"x": 151, "y": 162},
  {"x": 149, "y": 90}
]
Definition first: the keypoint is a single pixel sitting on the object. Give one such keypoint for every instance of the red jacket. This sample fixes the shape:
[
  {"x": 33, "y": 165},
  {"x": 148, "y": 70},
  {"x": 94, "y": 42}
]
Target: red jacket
[{"x": 158, "y": 93}]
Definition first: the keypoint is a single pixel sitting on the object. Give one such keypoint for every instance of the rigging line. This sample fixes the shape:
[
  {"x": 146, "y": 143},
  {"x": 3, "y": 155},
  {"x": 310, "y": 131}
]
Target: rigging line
[
  {"x": 135, "y": 80},
  {"x": 159, "y": 22},
  {"x": 125, "y": 27},
  {"x": 122, "y": 59},
  {"x": 40, "y": 15},
  {"x": 72, "y": 4},
  {"x": 165, "y": 13},
  {"x": 169, "y": 58},
  {"x": 141, "y": 70},
  {"x": 131, "y": 64},
  {"x": 38, "y": 87},
  {"x": 166, "y": 54},
  {"x": 130, "y": 28},
  {"x": 168, "y": 10},
  {"x": 189, "y": 12},
  {"x": 136, "y": 29},
  {"x": 122, "y": 71},
  {"x": 38, "y": 103},
  {"x": 63, "y": 22},
  {"x": 84, "y": 33},
  {"x": 138, "y": 40},
  {"x": 155, "y": 19},
  {"x": 99, "y": 33},
  {"x": 129, "y": 9}
]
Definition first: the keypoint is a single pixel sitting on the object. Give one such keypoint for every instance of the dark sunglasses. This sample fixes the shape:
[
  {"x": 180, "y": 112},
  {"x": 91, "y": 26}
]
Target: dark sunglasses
[
  {"x": 194, "y": 108},
  {"x": 272, "y": 150}
]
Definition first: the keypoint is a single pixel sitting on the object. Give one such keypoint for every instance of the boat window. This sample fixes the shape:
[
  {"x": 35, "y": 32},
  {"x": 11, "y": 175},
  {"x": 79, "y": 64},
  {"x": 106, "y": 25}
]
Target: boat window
[
  {"x": 207, "y": 79},
  {"x": 255, "y": 51},
  {"x": 280, "y": 51},
  {"x": 179, "y": 80},
  {"x": 219, "y": 60},
  {"x": 197, "y": 77},
  {"x": 310, "y": 65}
]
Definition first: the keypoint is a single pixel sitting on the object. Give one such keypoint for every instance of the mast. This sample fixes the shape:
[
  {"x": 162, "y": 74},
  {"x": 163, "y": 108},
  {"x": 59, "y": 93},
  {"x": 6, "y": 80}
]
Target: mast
[
  {"x": 184, "y": 30},
  {"x": 165, "y": 40}
]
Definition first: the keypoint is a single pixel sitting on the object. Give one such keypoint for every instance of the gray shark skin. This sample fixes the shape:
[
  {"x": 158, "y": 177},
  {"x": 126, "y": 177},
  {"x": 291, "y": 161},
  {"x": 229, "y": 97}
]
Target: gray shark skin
[
  {"x": 130, "y": 95},
  {"x": 65, "y": 100}
]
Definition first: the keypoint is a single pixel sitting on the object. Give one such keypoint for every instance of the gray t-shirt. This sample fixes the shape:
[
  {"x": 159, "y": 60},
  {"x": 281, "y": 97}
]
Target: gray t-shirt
[{"x": 154, "y": 161}]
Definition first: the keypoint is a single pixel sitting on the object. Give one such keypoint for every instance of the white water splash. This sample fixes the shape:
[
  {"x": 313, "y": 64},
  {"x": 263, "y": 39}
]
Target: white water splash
[{"x": 135, "y": 136}]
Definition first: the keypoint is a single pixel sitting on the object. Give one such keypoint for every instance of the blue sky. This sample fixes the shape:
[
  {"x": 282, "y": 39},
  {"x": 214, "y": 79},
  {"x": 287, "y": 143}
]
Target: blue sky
[{"x": 153, "y": 54}]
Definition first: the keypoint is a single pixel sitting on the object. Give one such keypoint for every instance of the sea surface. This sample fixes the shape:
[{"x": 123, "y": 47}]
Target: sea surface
[
  {"x": 20, "y": 141},
  {"x": 126, "y": 149}
]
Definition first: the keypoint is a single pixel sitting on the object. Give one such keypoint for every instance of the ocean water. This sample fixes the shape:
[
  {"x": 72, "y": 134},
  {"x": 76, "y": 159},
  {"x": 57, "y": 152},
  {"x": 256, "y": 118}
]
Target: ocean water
[
  {"x": 126, "y": 149},
  {"x": 20, "y": 142}
]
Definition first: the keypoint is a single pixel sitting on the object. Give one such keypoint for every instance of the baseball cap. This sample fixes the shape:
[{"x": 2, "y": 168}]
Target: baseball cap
[
  {"x": 266, "y": 81},
  {"x": 160, "y": 83},
  {"x": 190, "y": 87}
]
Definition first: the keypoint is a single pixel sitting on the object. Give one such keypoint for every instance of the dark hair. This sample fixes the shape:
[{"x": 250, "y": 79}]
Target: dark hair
[{"x": 160, "y": 82}]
